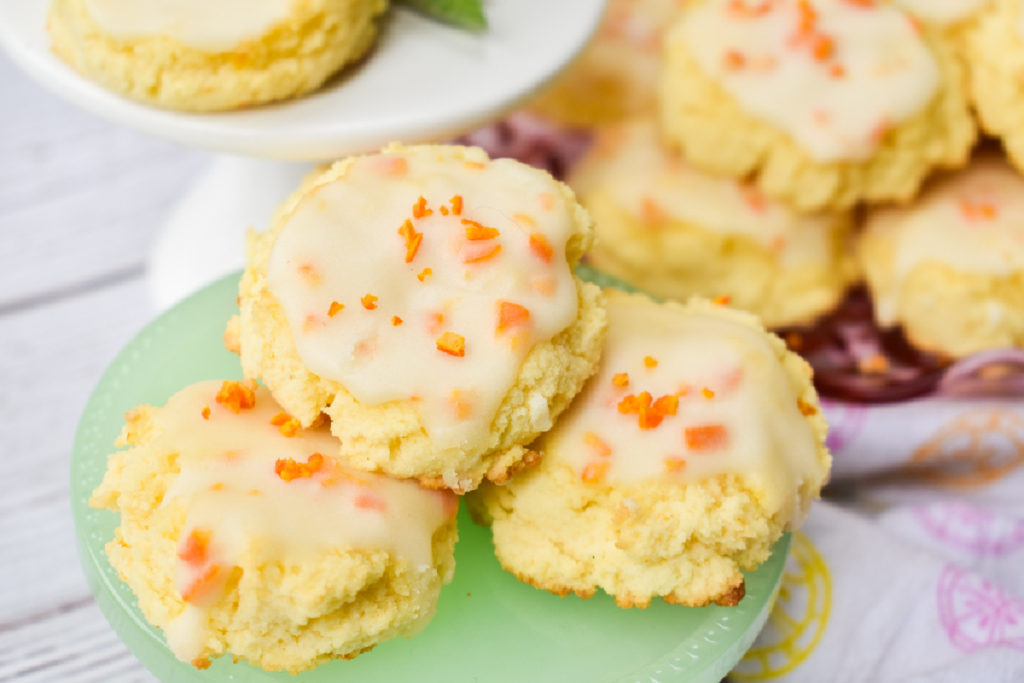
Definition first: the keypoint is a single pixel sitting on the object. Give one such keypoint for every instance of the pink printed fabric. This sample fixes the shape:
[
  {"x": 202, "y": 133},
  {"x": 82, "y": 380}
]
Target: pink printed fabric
[{"x": 912, "y": 567}]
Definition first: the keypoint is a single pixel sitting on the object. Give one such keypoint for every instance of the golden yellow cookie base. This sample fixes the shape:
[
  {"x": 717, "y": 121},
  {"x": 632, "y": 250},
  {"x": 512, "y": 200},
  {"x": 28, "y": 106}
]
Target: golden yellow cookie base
[
  {"x": 317, "y": 39},
  {"x": 714, "y": 133},
  {"x": 685, "y": 542},
  {"x": 390, "y": 437},
  {"x": 289, "y": 617}
]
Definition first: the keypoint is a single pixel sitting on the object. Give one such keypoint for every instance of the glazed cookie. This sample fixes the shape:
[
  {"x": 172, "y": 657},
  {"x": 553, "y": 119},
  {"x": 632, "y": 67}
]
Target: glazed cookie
[
  {"x": 676, "y": 232},
  {"x": 616, "y": 75},
  {"x": 822, "y": 103},
  {"x": 995, "y": 53},
  {"x": 950, "y": 268},
  {"x": 424, "y": 299},
  {"x": 217, "y": 493},
  {"x": 198, "y": 56},
  {"x": 698, "y": 441}
]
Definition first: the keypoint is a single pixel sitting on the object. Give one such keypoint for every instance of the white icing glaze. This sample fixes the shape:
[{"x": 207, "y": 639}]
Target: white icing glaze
[
  {"x": 763, "y": 435},
  {"x": 834, "y": 84},
  {"x": 232, "y": 493},
  {"x": 347, "y": 232},
  {"x": 652, "y": 183},
  {"x": 215, "y": 26},
  {"x": 942, "y": 12},
  {"x": 972, "y": 221}
]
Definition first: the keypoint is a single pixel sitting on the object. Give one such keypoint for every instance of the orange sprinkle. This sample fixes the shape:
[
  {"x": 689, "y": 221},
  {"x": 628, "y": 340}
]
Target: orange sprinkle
[
  {"x": 705, "y": 437},
  {"x": 286, "y": 424},
  {"x": 483, "y": 255},
  {"x": 205, "y": 412},
  {"x": 651, "y": 212},
  {"x": 543, "y": 285},
  {"x": 666, "y": 405},
  {"x": 634, "y": 403},
  {"x": 805, "y": 407},
  {"x": 722, "y": 300},
  {"x": 237, "y": 396},
  {"x": 822, "y": 48},
  {"x": 334, "y": 309},
  {"x": 476, "y": 165},
  {"x": 456, "y": 203},
  {"x": 288, "y": 469},
  {"x": 541, "y": 248},
  {"x": 511, "y": 315},
  {"x": 648, "y": 417},
  {"x": 199, "y": 588},
  {"x": 621, "y": 379},
  {"x": 598, "y": 444},
  {"x": 280, "y": 418},
  {"x": 461, "y": 406},
  {"x": 420, "y": 209},
  {"x": 674, "y": 464},
  {"x": 310, "y": 322},
  {"x": 524, "y": 219},
  {"x": 201, "y": 663},
  {"x": 369, "y": 302},
  {"x": 683, "y": 390},
  {"x": 745, "y": 10},
  {"x": 444, "y": 210},
  {"x": 424, "y": 274},
  {"x": 412, "y": 239},
  {"x": 309, "y": 273},
  {"x": 394, "y": 166},
  {"x": 476, "y": 231},
  {"x": 650, "y": 362},
  {"x": 368, "y": 501},
  {"x": 708, "y": 394},
  {"x": 396, "y": 321},
  {"x": 977, "y": 210},
  {"x": 219, "y": 486},
  {"x": 452, "y": 344},
  {"x": 734, "y": 59},
  {"x": 547, "y": 201},
  {"x": 866, "y": 4},
  {"x": 193, "y": 549},
  {"x": 836, "y": 71},
  {"x": 594, "y": 472}
]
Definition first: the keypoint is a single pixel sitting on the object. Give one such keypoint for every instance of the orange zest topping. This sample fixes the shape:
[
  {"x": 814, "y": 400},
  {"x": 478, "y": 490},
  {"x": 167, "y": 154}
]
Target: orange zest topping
[
  {"x": 649, "y": 412},
  {"x": 525, "y": 219},
  {"x": 674, "y": 464},
  {"x": 805, "y": 408},
  {"x": 476, "y": 165},
  {"x": 286, "y": 424},
  {"x": 621, "y": 379},
  {"x": 650, "y": 362},
  {"x": 705, "y": 437},
  {"x": 201, "y": 663},
  {"x": 541, "y": 248},
  {"x": 666, "y": 405},
  {"x": 424, "y": 274},
  {"x": 476, "y": 231},
  {"x": 289, "y": 469},
  {"x": 460, "y": 404},
  {"x": 420, "y": 209},
  {"x": 396, "y": 321},
  {"x": 444, "y": 210},
  {"x": 203, "y": 584},
  {"x": 334, "y": 309},
  {"x": 369, "y": 302},
  {"x": 744, "y": 9},
  {"x": 483, "y": 255},
  {"x": 309, "y": 273},
  {"x": 594, "y": 472},
  {"x": 193, "y": 549},
  {"x": 368, "y": 501},
  {"x": 205, "y": 412},
  {"x": 237, "y": 396},
  {"x": 722, "y": 300},
  {"x": 394, "y": 166},
  {"x": 734, "y": 59},
  {"x": 822, "y": 48},
  {"x": 707, "y": 393},
  {"x": 597, "y": 443},
  {"x": 837, "y": 71},
  {"x": 977, "y": 210},
  {"x": 412, "y": 239},
  {"x": 511, "y": 315},
  {"x": 452, "y": 344},
  {"x": 456, "y": 203}
]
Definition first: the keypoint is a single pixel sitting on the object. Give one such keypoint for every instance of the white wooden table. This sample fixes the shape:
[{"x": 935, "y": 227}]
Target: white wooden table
[{"x": 80, "y": 203}]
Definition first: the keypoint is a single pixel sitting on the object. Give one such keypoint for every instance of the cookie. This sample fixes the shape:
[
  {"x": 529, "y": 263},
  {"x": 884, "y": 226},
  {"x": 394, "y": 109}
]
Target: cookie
[
  {"x": 189, "y": 55},
  {"x": 240, "y": 534},
  {"x": 950, "y": 267},
  {"x": 675, "y": 232},
  {"x": 822, "y": 103},
  {"x": 424, "y": 299},
  {"x": 698, "y": 441}
]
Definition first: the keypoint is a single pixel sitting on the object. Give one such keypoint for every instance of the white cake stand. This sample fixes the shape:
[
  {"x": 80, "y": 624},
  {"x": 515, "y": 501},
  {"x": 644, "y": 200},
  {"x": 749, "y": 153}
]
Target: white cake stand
[{"x": 423, "y": 81}]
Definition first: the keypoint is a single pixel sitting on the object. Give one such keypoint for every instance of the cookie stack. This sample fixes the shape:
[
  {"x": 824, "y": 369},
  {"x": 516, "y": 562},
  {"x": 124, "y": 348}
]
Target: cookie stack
[{"x": 420, "y": 335}]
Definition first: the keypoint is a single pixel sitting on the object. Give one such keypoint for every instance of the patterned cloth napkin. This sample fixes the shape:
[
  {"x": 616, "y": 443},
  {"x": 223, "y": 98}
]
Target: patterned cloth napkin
[{"x": 912, "y": 568}]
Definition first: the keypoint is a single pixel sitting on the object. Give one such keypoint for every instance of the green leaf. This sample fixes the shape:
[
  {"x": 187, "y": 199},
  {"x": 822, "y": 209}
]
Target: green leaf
[{"x": 468, "y": 14}]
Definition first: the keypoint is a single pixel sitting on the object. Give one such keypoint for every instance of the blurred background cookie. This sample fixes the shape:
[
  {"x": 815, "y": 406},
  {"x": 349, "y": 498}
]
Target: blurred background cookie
[
  {"x": 822, "y": 103},
  {"x": 950, "y": 267},
  {"x": 674, "y": 231},
  {"x": 424, "y": 299},
  {"x": 698, "y": 441},
  {"x": 240, "y": 534},
  {"x": 201, "y": 56}
]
